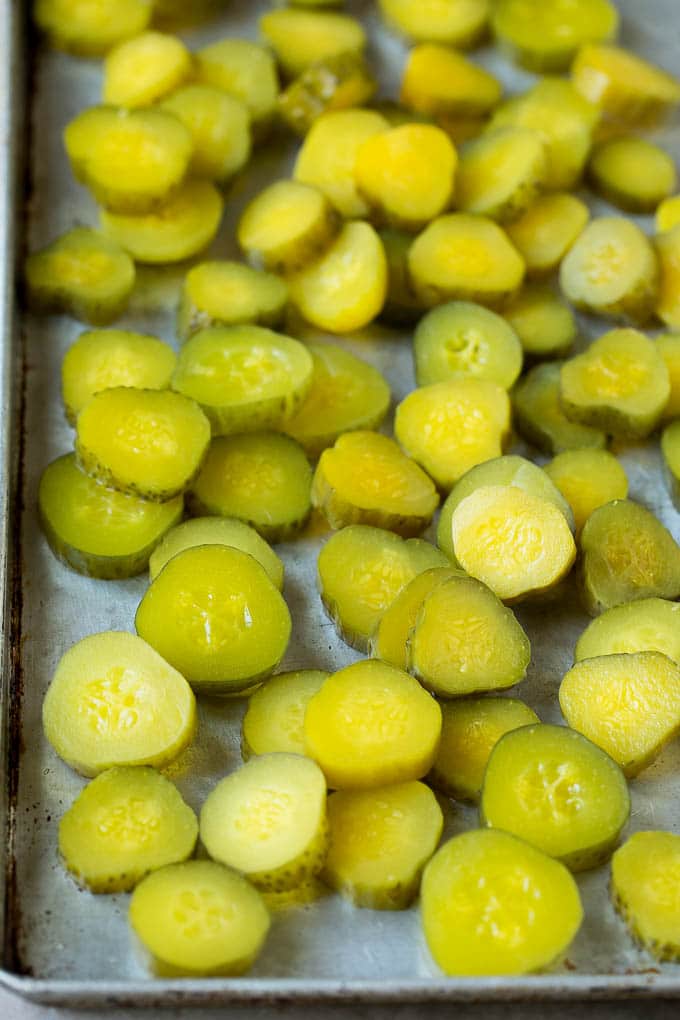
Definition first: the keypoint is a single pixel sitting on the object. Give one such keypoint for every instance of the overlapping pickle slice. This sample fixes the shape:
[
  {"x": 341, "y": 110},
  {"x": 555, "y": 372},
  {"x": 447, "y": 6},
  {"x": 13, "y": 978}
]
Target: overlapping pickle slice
[
  {"x": 440, "y": 82},
  {"x": 543, "y": 321},
  {"x": 219, "y": 125},
  {"x": 540, "y": 418},
  {"x": 229, "y": 294},
  {"x": 644, "y": 890},
  {"x": 339, "y": 82},
  {"x": 245, "y": 71},
  {"x": 459, "y": 24},
  {"x": 287, "y": 225},
  {"x": 88, "y": 29},
  {"x": 668, "y": 252},
  {"x": 402, "y": 304},
  {"x": 632, "y": 174},
  {"x": 544, "y": 35},
  {"x": 300, "y": 38},
  {"x": 390, "y": 639},
  {"x": 274, "y": 719},
  {"x": 545, "y": 232},
  {"x": 141, "y": 70},
  {"x": 501, "y": 172},
  {"x": 645, "y": 625},
  {"x": 587, "y": 479},
  {"x": 626, "y": 87}
]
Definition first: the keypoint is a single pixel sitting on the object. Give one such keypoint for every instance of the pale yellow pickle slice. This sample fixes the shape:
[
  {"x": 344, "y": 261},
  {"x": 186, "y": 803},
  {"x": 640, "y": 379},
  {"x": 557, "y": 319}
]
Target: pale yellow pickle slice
[
  {"x": 644, "y": 886},
  {"x": 274, "y": 719},
  {"x": 626, "y": 87},
  {"x": 300, "y": 38},
  {"x": 545, "y": 232},
  {"x": 245, "y": 70},
  {"x": 454, "y": 22},
  {"x": 390, "y": 640},
  {"x": 587, "y": 479},
  {"x": 219, "y": 125},
  {"x": 287, "y": 226},
  {"x": 224, "y": 293},
  {"x": 645, "y": 625},
  {"x": 141, "y": 70}
]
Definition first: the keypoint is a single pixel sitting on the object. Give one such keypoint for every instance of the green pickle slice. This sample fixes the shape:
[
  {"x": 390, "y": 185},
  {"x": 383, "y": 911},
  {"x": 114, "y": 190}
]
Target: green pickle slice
[
  {"x": 644, "y": 891},
  {"x": 545, "y": 232},
  {"x": 646, "y": 625},
  {"x": 539, "y": 416},
  {"x": 287, "y": 226},
  {"x": 219, "y": 125},
  {"x": 544, "y": 35},
  {"x": 390, "y": 640},
  {"x": 339, "y": 82},
  {"x": 459, "y": 24},
  {"x": 246, "y": 71},
  {"x": 544, "y": 323},
  {"x": 274, "y": 719},
  {"x": 587, "y": 479},
  {"x": 501, "y": 172},
  {"x": 229, "y": 294},
  {"x": 632, "y": 174}
]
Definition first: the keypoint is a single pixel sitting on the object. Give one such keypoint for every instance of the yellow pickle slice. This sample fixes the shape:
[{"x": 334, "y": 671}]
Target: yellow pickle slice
[
  {"x": 274, "y": 719},
  {"x": 644, "y": 887}
]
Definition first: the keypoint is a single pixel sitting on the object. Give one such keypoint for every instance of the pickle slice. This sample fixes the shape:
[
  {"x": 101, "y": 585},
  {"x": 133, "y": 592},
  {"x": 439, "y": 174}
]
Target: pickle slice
[
  {"x": 339, "y": 82},
  {"x": 98, "y": 531},
  {"x": 219, "y": 125},
  {"x": 275, "y": 715},
  {"x": 471, "y": 728},
  {"x": 670, "y": 449},
  {"x": 627, "y": 704},
  {"x": 646, "y": 625},
  {"x": 389, "y": 642},
  {"x": 587, "y": 479},
  {"x": 229, "y": 294},
  {"x": 668, "y": 301},
  {"x": 366, "y": 479},
  {"x": 493, "y": 905},
  {"x": 501, "y": 172},
  {"x": 644, "y": 890},
  {"x": 627, "y": 555},
  {"x": 439, "y": 82},
  {"x": 141, "y": 70},
  {"x": 465, "y": 640},
  {"x": 516, "y": 543},
  {"x": 557, "y": 790},
  {"x": 268, "y": 821},
  {"x": 668, "y": 346},
  {"x": 216, "y": 531},
  {"x": 464, "y": 339},
  {"x": 540, "y": 418},
  {"x": 380, "y": 842},
  {"x": 544, "y": 323},
  {"x": 626, "y": 87},
  {"x": 261, "y": 478},
  {"x": 114, "y": 701},
  {"x": 362, "y": 570},
  {"x": 83, "y": 273},
  {"x": 245, "y": 71},
  {"x": 287, "y": 226},
  {"x": 199, "y": 918},
  {"x": 125, "y": 823},
  {"x": 667, "y": 215},
  {"x": 245, "y": 378},
  {"x": 372, "y": 725},
  {"x": 632, "y": 174},
  {"x": 456, "y": 22},
  {"x": 147, "y": 442},
  {"x": 402, "y": 305},
  {"x": 545, "y": 232},
  {"x": 544, "y": 35},
  {"x": 301, "y": 38},
  {"x": 90, "y": 29},
  {"x": 214, "y": 613},
  {"x": 449, "y": 427},
  {"x": 346, "y": 394}
]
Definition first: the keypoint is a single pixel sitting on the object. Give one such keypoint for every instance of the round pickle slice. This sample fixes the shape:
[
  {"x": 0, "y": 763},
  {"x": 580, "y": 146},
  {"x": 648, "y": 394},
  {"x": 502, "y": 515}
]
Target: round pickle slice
[
  {"x": 274, "y": 719},
  {"x": 88, "y": 29},
  {"x": 141, "y": 70},
  {"x": 198, "y": 919},
  {"x": 644, "y": 891},
  {"x": 114, "y": 701},
  {"x": 626, "y": 87},
  {"x": 554, "y": 788},
  {"x": 287, "y": 226},
  {"x": 646, "y": 625},
  {"x": 126, "y": 822},
  {"x": 539, "y": 416},
  {"x": 229, "y": 294},
  {"x": 440, "y": 82},
  {"x": 544, "y": 323},
  {"x": 493, "y": 905},
  {"x": 501, "y": 173},
  {"x": 632, "y": 174},
  {"x": 246, "y": 71},
  {"x": 219, "y": 125},
  {"x": 460, "y": 23},
  {"x": 268, "y": 821},
  {"x": 380, "y": 841},
  {"x": 545, "y": 35},
  {"x": 587, "y": 479},
  {"x": 545, "y": 232},
  {"x": 372, "y": 725},
  {"x": 301, "y": 38},
  {"x": 390, "y": 640}
]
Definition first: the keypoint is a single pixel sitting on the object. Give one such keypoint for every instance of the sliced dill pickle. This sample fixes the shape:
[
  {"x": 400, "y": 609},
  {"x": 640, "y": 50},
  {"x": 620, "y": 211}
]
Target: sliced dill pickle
[
  {"x": 466, "y": 641},
  {"x": 261, "y": 478},
  {"x": 458, "y": 23},
  {"x": 619, "y": 384},
  {"x": 564, "y": 119},
  {"x": 345, "y": 288},
  {"x": 471, "y": 728},
  {"x": 276, "y": 711},
  {"x": 98, "y": 531},
  {"x": 229, "y": 294},
  {"x": 544, "y": 323},
  {"x": 626, "y": 87},
  {"x": 287, "y": 226},
  {"x": 141, "y": 70},
  {"x": 466, "y": 258},
  {"x": 219, "y": 125},
  {"x": 380, "y": 842},
  {"x": 328, "y": 156},
  {"x": 493, "y": 905},
  {"x": 545, "y": 232},
  {"x": 612, "y": 270},
  {"x": 147, "y": 442},
  {"x": 407, "y": 174},
  {"x": 557, "y": 790},
  {"x": 389, "y": 642},
  {"x": 670, "y": 449},
  {"x": 667, "y": 215},
  {"x": 627, "y": 554},
  {"x": 268, "y": 820},
  {"x": 300, "y": 38},
  {"x": 540, "y": 418},
  {"x": 246, "y": 71},
  {"x": 516, "y": 543},
  {"x": 438, "y": 81},
  {"x": 627, "y": 704},
  {"x": 464, "y": 339},
  {"x": 501, "y": 172},
  {"x": 346, "y": 393},
  {"x": 125, "y": 823},
  {"x": 366, "y": 479},
  {"x": 216, "y": 531},
  {"x": 339, "y": 82},
  {"x": 668, "y": 346},
  {"x": 644, "y": 890},
  {"x": 372, "y": 725},
  {"x": 402, "y": 305},
  {"x": 131, "y": 160},
  {"x": 245, "y": 378},
  {"x": 83, "y": 273},
  {"x": 449, "y": 427},
  {"x": 181, "y": 227},
  {"x": 668, "y": 301},
  {"x": 507, "y": 470},
  {"x": 199, "y": 918},
  {"x": 214, "y": 612},
  {"x": 103, "y": 358},
  {"x": 90, "y": 29},
  {"x": 545, "y": 35},
  {"x": 114, "y": 701},
  {"x": 632, "y": 174},
  {"x": 646, "y": 625},
  {"x": 362, "y": 570},
  {"x": 587, "y": 479}
]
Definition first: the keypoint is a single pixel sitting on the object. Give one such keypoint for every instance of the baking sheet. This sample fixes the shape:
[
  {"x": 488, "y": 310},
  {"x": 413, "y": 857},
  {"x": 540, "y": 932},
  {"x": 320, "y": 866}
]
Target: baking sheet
[{"x": 65, "y": 945}]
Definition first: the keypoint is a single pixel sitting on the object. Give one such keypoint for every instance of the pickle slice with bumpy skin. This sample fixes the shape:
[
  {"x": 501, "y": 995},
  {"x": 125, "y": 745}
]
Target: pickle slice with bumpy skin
[
  {"x": 340, "y": 82},
  {"x": 214, "y": 613},
  {"x": 632, "y": 174},
  {"x": 458, "y": 23},
  {"x": 587, "y": 479},
  {"x": 644, "y": 891},
  {"x": 300, "y": 38},
  {"x": 114, "y": 701},
  {"x": 90, "y": 29},
  {"x": 627, "y": 704},
  {"x": 439, "y": 82},
  {"x": 268, "y": 821},
  {"x": 557, "y": 790},
  {"x": 141, "y": 70},
  {"x": 545, "y": 35},
  {"x": 668, "y": 301},
  {"x": 544, "y": 323},
  {"x": 668, "y": 346},
  {"x": 246, "y": 71},
  {"x": 670, "y": 449},
  {"x": 501, "y": 173},
  {"x": 493, "y": 905},
  {"x": 380, "y": 841},
  {"x": 545, "y": 232},
  {"x": 125, "y": 823},
  {"x": 83, "y": 273},
  {"x": 229, "y": 294},
  {"x": 390, "y": 640},
  {"x": 540, "y": 418},
  {"x": 219, "y": 125},
  {"x": 646, "y": 625},
  {"x": 98, "y": 531},
  {"x": 366, "y": 479},
  {"x": 287, "y": 226},
  {"x": 275, "y": 715},
  {"x": 626, "y": 87}
]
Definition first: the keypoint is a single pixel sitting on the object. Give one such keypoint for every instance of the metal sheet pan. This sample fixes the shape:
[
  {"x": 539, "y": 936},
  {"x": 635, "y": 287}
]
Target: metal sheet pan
[{"x": 63, "y": 945}]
